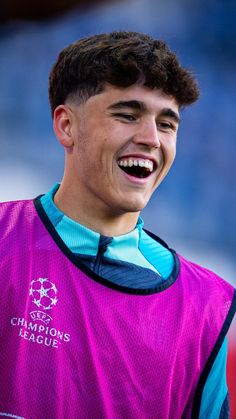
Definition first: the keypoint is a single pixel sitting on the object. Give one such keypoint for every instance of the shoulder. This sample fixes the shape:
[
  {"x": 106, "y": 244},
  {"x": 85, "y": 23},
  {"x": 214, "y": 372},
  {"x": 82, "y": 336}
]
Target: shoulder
[
  {"x": 11, "y": 205},
  {"x": 14, "y": 213},
  {"x": 209, "y": 294},
  {"x": 201, "y": 276}
]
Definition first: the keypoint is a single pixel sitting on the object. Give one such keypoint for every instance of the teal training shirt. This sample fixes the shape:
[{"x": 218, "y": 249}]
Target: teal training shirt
[{"x": 135, "y": 253}]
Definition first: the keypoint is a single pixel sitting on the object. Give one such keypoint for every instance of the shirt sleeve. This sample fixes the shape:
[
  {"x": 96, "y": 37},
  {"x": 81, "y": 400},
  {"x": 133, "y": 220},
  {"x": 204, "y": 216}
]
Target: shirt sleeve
[{"x": 215, "y": 400}]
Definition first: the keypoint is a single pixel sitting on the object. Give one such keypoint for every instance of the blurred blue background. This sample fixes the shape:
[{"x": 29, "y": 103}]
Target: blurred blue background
[{"x": 194, "y": 209}]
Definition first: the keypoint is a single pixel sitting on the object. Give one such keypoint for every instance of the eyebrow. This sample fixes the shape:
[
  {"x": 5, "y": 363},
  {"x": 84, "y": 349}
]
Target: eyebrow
[
  {"x": 141, "y": 106},
  {"x": 133, "y": 104}
]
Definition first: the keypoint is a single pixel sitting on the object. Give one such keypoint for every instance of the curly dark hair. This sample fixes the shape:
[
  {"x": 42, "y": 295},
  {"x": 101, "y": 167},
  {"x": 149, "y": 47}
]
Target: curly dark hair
[{"x": 121, "y": 59}]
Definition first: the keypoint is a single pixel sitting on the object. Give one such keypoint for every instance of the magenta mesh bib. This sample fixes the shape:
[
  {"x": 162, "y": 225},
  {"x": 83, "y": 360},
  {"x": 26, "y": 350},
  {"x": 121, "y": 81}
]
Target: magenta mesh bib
[{"x": 73, "y": 347}]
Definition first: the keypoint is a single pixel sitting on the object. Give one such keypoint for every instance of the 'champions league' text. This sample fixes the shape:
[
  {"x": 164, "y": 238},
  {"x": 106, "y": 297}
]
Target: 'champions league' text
[{"x": 38, "y": 333}]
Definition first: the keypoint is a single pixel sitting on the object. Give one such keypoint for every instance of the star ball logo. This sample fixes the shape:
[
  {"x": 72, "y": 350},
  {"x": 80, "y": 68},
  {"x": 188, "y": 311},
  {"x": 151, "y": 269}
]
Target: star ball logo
[{"x": 43, "y": 293}]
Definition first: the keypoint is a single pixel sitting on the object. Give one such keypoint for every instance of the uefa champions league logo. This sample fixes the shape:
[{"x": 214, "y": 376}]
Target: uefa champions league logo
[
  {"x": 43, "y": 293},
  {"x": 41, "y": 329}
]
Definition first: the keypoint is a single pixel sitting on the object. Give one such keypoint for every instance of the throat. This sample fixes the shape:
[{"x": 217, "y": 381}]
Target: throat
[{"x": 97, "y": 217}]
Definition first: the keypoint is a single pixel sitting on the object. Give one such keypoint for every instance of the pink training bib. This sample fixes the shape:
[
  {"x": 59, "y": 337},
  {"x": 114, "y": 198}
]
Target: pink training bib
[{"x": 73, "y": 346}]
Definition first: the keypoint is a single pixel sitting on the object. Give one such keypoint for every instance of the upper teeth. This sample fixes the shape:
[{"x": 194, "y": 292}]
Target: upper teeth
[{"x": 148, "y": 164}]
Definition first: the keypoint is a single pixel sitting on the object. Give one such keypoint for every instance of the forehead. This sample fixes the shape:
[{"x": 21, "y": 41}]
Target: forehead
[{"x": 154, "y": 100}]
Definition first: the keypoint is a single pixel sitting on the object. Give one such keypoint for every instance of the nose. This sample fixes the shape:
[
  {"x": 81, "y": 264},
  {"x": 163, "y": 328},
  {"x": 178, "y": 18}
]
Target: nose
[{"x": 148, "y": 134}]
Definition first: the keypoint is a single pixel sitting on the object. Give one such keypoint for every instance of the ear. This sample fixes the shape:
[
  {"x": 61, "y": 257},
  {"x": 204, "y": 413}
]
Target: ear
[{"x": 62, "y": 125}]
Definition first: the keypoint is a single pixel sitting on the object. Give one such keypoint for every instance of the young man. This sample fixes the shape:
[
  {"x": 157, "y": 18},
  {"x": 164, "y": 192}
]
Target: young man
[{"x": 99, "y": 317}]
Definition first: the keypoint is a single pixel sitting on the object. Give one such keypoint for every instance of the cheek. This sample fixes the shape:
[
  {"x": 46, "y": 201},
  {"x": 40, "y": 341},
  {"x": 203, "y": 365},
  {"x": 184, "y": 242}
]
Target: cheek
[{"x": 169, "y": 152}]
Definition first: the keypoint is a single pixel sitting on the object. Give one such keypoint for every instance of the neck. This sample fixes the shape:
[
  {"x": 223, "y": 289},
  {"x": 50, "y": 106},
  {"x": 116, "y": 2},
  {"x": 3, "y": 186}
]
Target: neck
[{"x": 97, "y": 218}]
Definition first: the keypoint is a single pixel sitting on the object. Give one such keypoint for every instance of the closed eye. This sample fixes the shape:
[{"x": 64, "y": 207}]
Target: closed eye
[
  {"x": 126, "y": 116},
  {"x": 166, "y": 126}
]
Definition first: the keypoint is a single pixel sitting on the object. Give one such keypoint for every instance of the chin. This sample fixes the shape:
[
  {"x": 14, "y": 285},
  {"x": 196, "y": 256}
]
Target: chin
[
  {"x": 134, "y": 206},
  {"x": 129, "y": 202}
]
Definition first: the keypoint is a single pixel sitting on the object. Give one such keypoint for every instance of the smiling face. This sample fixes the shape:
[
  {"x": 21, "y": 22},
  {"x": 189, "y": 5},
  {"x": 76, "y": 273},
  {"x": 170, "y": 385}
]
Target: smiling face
[{"x": 121, "y": 145}]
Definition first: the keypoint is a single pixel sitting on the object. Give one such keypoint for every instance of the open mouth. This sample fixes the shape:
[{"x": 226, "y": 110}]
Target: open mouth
[{"x": 139, "y": 168}]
